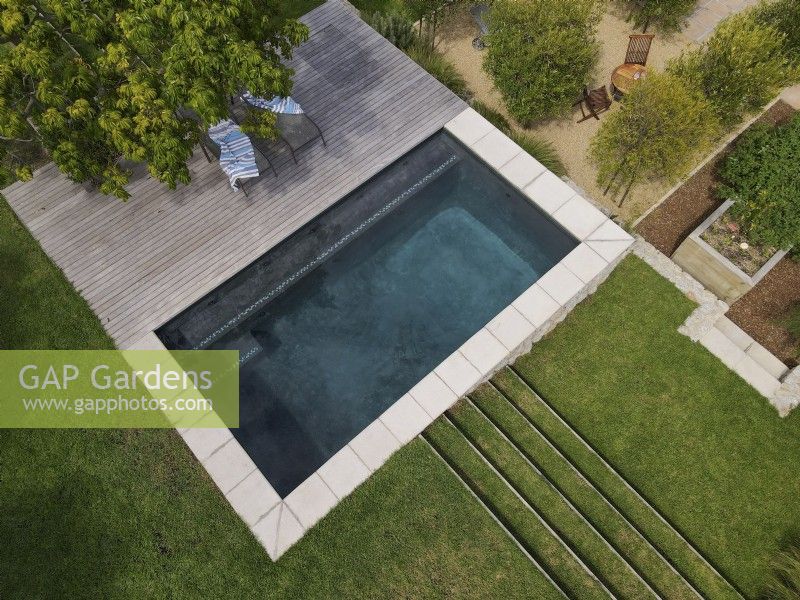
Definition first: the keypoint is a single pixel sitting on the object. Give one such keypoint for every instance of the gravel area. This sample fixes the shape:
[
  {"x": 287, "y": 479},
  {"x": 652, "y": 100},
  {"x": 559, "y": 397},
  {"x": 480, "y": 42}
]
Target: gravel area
[{"x": 669, "y": 224}]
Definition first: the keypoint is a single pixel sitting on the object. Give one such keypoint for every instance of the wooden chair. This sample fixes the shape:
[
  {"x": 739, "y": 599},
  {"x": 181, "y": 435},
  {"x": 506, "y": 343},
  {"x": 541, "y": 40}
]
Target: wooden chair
[
  {"x": 639, "y": 49},
  {"x": 596, "y": 102}
]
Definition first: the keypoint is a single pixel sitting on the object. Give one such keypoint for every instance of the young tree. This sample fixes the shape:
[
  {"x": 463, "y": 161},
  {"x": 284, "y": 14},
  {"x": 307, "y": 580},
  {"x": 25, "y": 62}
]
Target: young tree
[
  {"x": 540, "y": 54},
  {"x": 94, "y": 81},
  {"x": 658, "y": 131},
  {"x": 669, "y": 15},
  {"x": 739, "y": 68}
]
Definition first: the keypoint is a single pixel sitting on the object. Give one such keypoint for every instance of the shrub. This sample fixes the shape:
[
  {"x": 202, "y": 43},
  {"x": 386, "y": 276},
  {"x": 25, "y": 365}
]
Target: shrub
[
  {"x": 540, "y": 54},
  {"x": 762, "y": 176},
  {"x": 495, "y": 117},
  {"x": 541, "y": 150},
  {"x": 438, "y": 66},
  {"x": 669, "y": 15},
  {"x": 396, "y": 28},
  {"x": 657, "y": 132},
  {"x": 785, "y": 581},
  {"x": 739, "y": 68},
  {"x": 783, "y": 15}
]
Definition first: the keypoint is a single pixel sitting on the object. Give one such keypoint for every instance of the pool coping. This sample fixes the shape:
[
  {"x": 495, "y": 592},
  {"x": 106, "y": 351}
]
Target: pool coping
[{"x": 279, "y": 523}]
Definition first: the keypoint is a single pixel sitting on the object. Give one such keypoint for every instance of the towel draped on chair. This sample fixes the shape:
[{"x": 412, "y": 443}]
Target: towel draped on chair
[
  {"x": 237, "y": 157},
  {"x": 286, "y": 106}
]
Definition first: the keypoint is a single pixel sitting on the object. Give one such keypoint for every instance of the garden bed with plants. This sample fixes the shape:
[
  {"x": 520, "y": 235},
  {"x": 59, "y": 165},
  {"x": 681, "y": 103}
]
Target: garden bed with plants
[{"x": 757, "y": 166}]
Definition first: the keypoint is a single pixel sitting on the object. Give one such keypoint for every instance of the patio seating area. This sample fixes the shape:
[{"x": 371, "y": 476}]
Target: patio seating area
[{"x": 137, "y": 269}]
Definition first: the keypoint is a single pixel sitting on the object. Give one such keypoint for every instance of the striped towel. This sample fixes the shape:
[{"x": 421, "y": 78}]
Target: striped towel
[
  {"x": 237, "y": 157},
  {"x": 286, "y": 106}
]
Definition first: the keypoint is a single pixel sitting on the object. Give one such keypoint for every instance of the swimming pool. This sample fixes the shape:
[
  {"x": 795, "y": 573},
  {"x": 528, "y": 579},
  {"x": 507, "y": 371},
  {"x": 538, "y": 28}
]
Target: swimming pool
[{"x": 345, "y": 316}]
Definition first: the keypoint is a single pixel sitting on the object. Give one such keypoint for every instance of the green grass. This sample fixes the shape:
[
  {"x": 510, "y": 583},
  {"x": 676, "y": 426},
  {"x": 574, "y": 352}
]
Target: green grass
[
  {"x": 609, "y": 522},
  {"x": 654, "y": 529},
  {"x": 697, "y": 441},
  {"x": 39, "y": 307},
  {"x": 538, "y": 492},
  {"x": 534, "y": 536}
]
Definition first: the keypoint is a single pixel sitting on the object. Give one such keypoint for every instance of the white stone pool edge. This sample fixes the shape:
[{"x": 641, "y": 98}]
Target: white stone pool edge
[{"x": 278, "y": 524}]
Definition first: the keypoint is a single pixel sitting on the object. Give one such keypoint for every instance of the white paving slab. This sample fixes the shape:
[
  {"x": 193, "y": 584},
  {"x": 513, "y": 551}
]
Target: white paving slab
[
  {"x": 289, "y": 531},
  {"x": 549, "y": 192},
  {"x": 610, "y": 231},
  {"x": 204, "y": 442},
  {"x": 433, "y": 395},
  {"x": 536, "y": 305},
  {"x": 229, "y": 465},
  {"x": 561, "y": 284},
  {"x": 511, "y": 328},
  {"x": 253, "y": 498},
  {"x": 721, "y": 347},
  {"x": 469, "y": 126},
  {"x": 584, "y": 262},
  {"x": 579, "y": 217},
  {"x": 522, "y": 169},
  {"x": 374, "y": 445},
  {"x": 495, "y": 148},
  {"x": 344, "y": 472},
  {"x": 266, "y": 530},
  {"x": 311, "y": 500},
  {"x": 733, "y": 332},
  {"x": 484, "y": 351},
  {"x": 406, "y": 418},
  {"x": 754, "y": 374},
  {"x": 767, "y": 360},
  {"x": 610, "y": 250},
  {"x": 458, "y": 373}
]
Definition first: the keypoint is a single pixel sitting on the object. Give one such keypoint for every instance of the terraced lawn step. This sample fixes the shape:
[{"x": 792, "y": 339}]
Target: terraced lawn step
[
  {"x": 651, "y": 525},
  {"x": 639, "y": 554},
  {"x": 554, "y": 508},
  {"x": 570, "y": 577}
]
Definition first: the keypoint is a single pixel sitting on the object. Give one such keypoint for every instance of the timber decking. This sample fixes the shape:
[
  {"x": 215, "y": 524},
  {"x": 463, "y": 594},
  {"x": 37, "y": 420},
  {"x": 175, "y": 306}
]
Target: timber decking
[{"x": 139, "y": 263}]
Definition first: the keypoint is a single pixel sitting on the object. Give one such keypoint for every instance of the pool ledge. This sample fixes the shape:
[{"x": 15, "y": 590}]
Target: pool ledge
[{"x": 279, "y": 524}]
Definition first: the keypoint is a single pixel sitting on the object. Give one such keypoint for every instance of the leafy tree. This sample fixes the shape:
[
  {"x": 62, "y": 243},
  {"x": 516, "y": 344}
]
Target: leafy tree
[
  {"x": 657, "y": 132},
  {"x": 762, "y": 175},
  {"x": 739, "y": 68},
  {"x": 669, "y": 15},
  {"x": 540, "y": 54},
  {"x": 94, "y": 81}
]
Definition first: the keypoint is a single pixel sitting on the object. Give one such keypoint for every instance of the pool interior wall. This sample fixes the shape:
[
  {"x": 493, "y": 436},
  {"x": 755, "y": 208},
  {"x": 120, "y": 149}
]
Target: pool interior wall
[{"x": 345, "y": 316}]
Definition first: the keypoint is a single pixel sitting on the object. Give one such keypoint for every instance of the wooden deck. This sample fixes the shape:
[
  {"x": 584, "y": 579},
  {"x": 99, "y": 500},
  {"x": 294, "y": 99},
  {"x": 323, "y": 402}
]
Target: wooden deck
[{"x": 138, "y": 263}]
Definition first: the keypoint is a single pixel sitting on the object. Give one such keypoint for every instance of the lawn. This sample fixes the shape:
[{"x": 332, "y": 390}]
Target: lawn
[
  {"x": 697, "y": 441},
  {"x": 133, "y": 514}
]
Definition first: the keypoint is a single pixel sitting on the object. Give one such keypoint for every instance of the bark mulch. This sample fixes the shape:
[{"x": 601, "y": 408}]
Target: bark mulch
[
  {"x": 688, "y": 206},
  {"x": 759, "y": 311}
]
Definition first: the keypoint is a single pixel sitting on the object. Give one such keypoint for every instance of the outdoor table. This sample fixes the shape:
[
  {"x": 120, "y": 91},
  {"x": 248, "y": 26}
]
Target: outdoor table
[{"x": 625, "y": 75}]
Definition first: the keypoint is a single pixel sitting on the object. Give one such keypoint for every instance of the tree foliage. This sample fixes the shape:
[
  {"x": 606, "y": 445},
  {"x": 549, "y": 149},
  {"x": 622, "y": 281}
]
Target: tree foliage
[
  {"x": 668, "y": 15},
  {"x": 783, "y": 15},
  {"x": 762, "y": 176},
  {"x": 540, "y": 54},
  {"x": 656, "y": 133},
  {"x": 93, "y": 81},
  {"x": 739, "y": 68}
]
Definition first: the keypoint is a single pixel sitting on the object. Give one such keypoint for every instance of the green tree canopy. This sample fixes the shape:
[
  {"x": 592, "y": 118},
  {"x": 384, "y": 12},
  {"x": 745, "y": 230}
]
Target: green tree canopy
[
  {"x": 657, "y": 133},
  {"x": 541, "y": 53},
  {"x": 739, "y": 68},
  {"x": 93, "y": 81}
]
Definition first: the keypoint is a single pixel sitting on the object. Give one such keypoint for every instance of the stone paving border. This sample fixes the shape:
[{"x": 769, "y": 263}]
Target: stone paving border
[
  {"x": 709, "y": 326},
  {"x": 279, "y": 523}
]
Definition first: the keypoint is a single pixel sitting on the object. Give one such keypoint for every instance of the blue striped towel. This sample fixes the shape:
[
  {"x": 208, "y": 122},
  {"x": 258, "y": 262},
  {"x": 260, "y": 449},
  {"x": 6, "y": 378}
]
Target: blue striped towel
[
  {"x": 237, "y": 157},
  {"x": 286, "y": 106}
]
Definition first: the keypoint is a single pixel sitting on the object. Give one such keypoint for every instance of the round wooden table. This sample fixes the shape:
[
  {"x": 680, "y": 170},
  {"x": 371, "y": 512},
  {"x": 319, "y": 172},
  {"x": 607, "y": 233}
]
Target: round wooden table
[{"x": 625, "y": 76}]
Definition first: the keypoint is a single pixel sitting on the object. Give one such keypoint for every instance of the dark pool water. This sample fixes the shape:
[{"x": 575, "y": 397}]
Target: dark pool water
[{"x": 340, "y": 320}]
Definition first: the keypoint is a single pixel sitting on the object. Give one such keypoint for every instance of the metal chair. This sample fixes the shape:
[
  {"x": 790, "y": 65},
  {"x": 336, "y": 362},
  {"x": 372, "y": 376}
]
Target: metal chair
[
  {"x": 596, "y": 101},
  {"x": 639, "y": 49}
]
